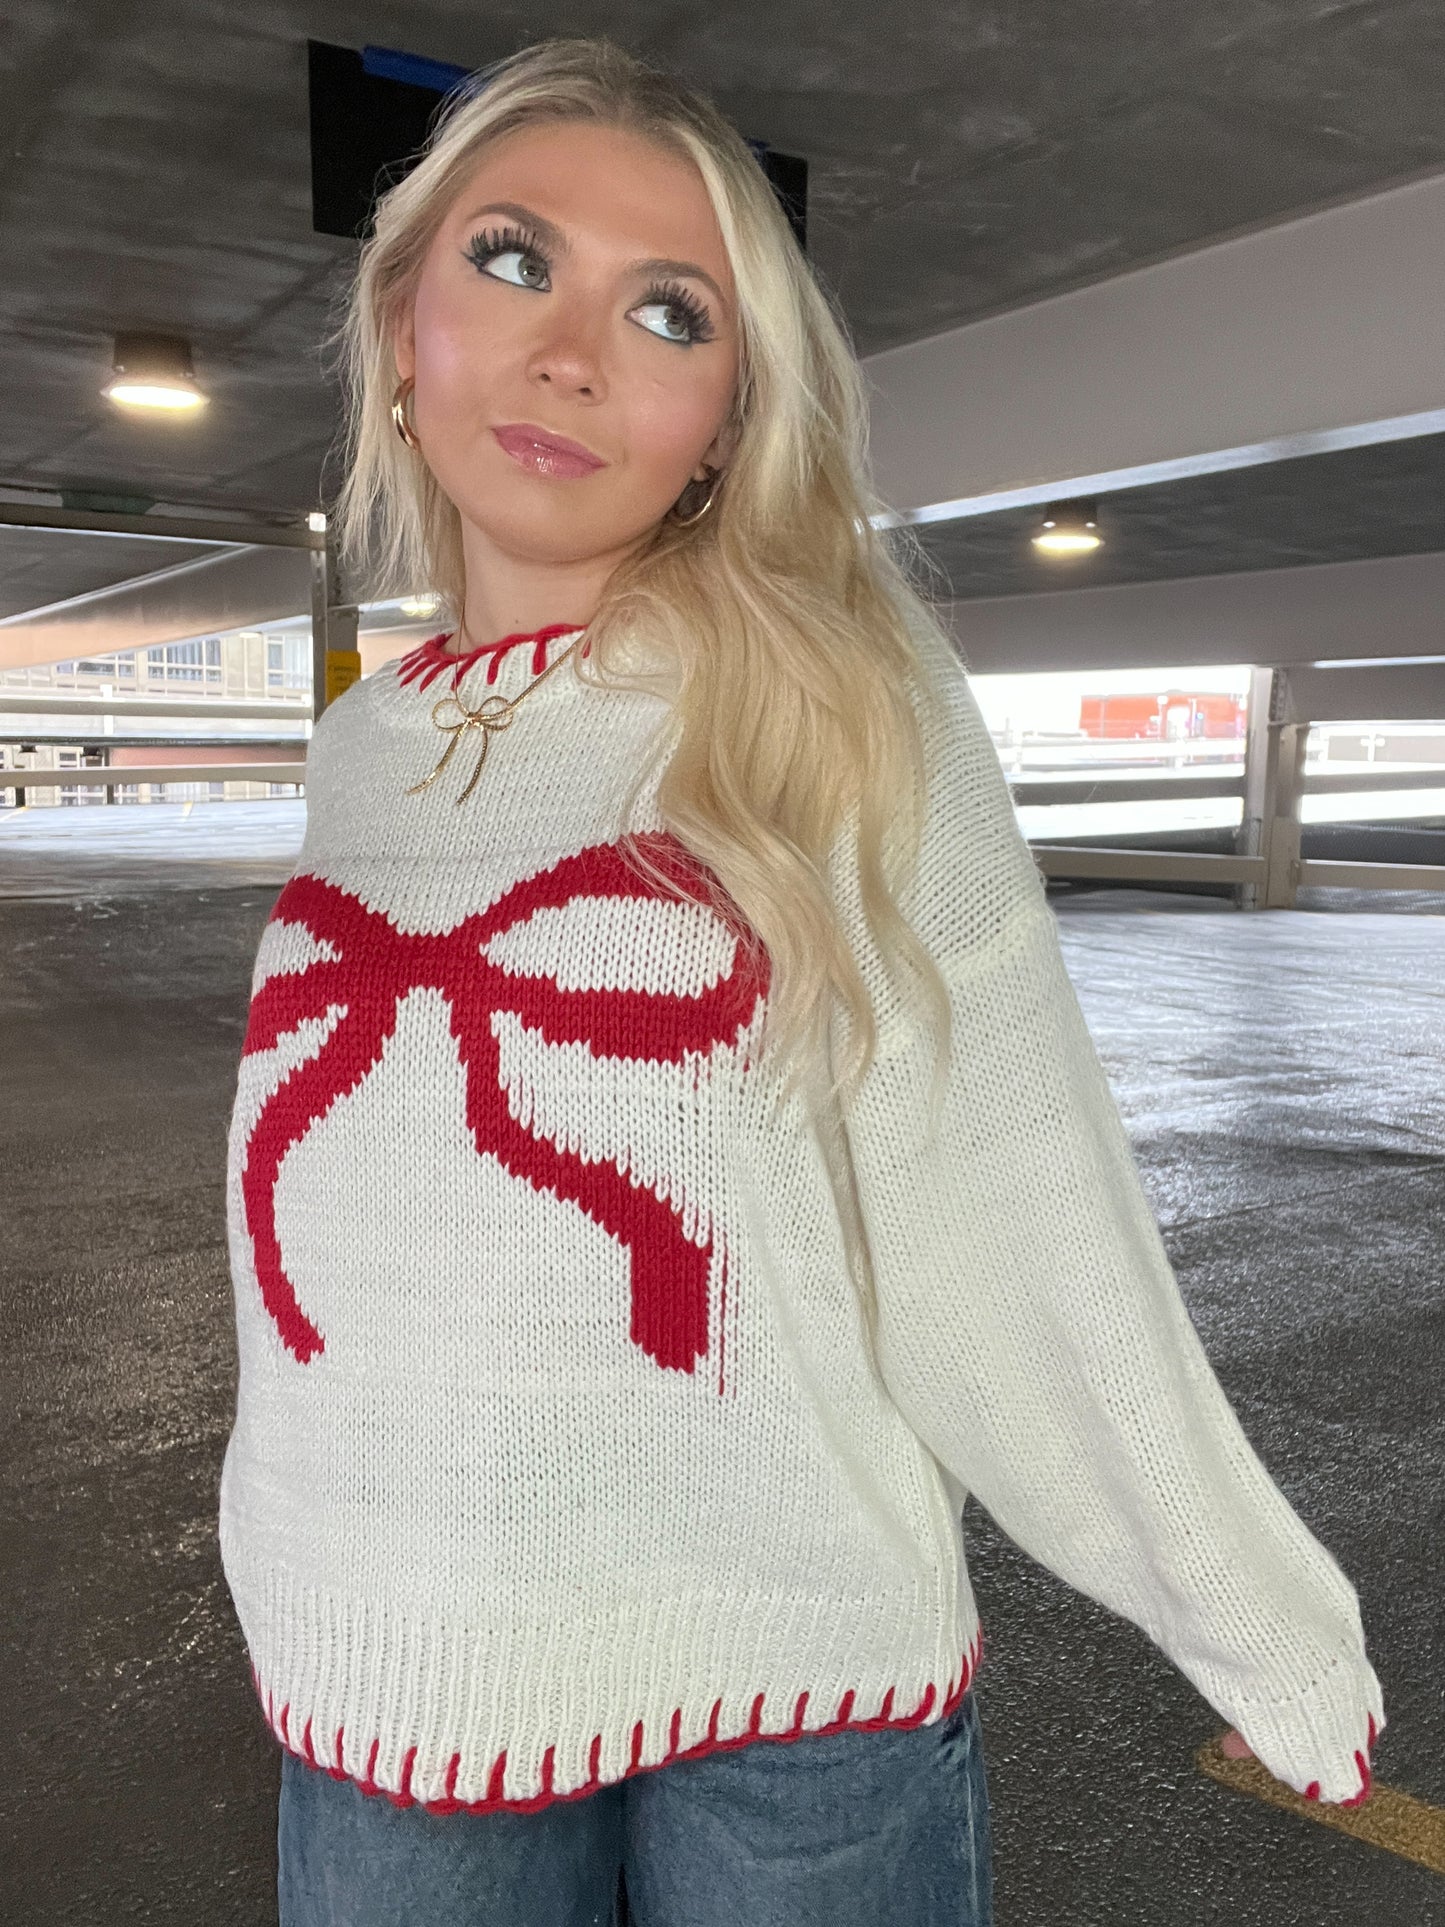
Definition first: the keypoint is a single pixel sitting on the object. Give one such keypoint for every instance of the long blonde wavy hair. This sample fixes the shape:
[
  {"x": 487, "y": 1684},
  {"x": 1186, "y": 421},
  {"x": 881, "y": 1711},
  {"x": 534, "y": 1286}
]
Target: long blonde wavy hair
[{"x": 797, "y": 630}]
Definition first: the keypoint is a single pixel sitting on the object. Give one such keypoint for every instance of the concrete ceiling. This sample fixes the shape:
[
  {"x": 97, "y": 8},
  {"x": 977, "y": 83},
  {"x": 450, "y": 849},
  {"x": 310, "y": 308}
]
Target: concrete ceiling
[{"x": 963, "y": 161}]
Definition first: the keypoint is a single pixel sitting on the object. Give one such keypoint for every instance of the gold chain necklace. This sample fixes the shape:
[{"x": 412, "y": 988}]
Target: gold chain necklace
[{"x": 493, "y": 713}]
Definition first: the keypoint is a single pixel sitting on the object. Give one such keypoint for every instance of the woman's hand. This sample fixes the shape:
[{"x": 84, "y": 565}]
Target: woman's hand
[{"x": 1234, "y": 1746}]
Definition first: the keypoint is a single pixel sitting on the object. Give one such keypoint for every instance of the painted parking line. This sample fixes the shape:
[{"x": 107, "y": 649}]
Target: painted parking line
[{"x": 1396, "y": 1821}]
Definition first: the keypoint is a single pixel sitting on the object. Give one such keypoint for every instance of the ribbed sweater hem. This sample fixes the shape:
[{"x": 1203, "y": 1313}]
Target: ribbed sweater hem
[{"x": 483, "y": 1713}]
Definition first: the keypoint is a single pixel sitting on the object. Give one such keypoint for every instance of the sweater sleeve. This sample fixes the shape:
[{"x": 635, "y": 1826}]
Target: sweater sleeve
[{"x": 1029, "y": 1325}]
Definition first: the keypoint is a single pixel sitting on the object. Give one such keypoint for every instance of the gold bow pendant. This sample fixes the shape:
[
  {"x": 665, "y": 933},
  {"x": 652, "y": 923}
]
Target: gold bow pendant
[{"x": 495, "y": 712}]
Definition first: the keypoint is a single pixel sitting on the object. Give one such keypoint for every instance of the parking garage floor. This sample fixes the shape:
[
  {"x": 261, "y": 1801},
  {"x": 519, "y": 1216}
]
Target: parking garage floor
[{"x": 1281, "y": 1077}]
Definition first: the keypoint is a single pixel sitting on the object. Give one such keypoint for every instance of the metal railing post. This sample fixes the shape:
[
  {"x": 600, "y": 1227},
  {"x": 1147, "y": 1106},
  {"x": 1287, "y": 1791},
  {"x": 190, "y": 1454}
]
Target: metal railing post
[
  {"x": 323, "y": 596},
  {"x": 1282, "y": 849},
  {"x": 1273, "y": 778},
  {"x": 335, "y": 662}
]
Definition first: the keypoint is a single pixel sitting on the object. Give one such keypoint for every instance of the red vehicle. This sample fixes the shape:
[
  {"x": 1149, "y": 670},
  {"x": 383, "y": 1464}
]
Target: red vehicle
[{"x": 1173, "y": 717}]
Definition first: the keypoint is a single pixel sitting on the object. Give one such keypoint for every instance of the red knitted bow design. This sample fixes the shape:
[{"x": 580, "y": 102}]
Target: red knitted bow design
[{"x": 375, "y": 965}]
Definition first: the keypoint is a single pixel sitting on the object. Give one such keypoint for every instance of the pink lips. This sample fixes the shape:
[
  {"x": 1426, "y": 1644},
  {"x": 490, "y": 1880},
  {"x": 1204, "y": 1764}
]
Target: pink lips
[{"x": 545, "y": 453}]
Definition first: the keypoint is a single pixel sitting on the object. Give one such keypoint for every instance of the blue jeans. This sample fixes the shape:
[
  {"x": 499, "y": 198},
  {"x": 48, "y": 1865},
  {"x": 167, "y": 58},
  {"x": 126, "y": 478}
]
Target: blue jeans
[{"x": 831, "y": 1830}]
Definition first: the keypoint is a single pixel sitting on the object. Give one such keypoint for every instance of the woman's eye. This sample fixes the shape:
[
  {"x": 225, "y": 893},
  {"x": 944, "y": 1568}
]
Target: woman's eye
[
  {"x": 521, "y": 255},
  {"x": 691, "y": 318},
  {"x": 672, "y": 297},
  {"x": 485, "y": 248},
  {"x": 507, "y": 254},
  {"x": 673, "y": 308}
]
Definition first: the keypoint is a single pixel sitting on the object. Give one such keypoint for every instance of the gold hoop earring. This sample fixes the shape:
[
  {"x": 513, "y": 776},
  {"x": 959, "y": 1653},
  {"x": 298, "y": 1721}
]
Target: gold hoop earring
[
  {"x": 399, "y": 414},
  {"x": 686, "y": 521}
]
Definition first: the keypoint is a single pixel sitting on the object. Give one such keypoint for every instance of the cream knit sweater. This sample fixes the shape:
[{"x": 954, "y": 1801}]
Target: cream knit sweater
[{"x": 563, "y": 1447}]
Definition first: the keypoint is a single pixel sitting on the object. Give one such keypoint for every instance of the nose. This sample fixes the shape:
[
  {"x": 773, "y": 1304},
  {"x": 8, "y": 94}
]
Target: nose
[{"x": 569, "y": 355}]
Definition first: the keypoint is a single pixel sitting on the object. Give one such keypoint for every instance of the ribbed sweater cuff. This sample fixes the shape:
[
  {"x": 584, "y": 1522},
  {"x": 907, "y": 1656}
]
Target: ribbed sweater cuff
[{"x": 1320, "y": 1743}]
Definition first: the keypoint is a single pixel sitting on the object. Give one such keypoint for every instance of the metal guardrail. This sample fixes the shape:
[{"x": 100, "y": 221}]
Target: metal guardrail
[
  {"x": 157, "y": 739},
  {"x": 1322, "y": 873},
  {"x": 1188, "y": 866},
  {"x": 93, "y": 776},
  {"x": 34, "y": 702},
  {"x": 1148, "y": 787},
  {"x": 1037, "y": 791},
  {"x": 1172, "y": 866},
  {"x": 1053, "y": 859}
]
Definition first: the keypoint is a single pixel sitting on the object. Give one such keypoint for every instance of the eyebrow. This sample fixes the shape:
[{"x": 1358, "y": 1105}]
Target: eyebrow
[{"x": 554, "y": 236}]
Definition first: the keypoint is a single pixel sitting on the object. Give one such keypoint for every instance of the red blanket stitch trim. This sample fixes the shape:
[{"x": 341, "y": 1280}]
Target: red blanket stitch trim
[
  {"x": 450, "y": 1804},
  {"x": 1312, "y": 1791},
  {"x": 429, "y": 658},
  {"x": 280, "y": 1727}
]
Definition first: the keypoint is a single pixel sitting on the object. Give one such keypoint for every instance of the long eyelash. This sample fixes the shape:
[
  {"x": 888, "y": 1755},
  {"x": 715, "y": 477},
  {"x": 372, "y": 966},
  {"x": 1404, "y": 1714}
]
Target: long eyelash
[
  {"x": 698, "y": 318},
  {"x": 493, "y": 241}
]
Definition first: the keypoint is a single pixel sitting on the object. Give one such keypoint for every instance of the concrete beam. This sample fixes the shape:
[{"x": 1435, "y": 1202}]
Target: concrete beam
[
  {"x": 1389, "y": 607},
  {"x": 1313, "y": 334},
  {"x": 236, "y": 590}
]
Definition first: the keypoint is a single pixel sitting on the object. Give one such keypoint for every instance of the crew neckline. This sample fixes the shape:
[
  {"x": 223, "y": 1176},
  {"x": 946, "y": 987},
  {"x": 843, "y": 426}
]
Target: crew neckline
[{"x": 427, "y": 661}]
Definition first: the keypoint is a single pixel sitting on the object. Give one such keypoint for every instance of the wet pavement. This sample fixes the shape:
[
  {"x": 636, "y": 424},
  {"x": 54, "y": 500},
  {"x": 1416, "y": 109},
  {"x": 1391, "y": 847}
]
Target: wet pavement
[
  {"x": 60, "y": 850},
  {"x": 1281, "y": 1077}
]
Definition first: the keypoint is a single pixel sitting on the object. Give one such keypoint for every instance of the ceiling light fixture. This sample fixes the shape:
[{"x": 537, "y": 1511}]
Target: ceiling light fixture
[
  {"x": 153, "y": 371},
  {"x": 1069, "y": 528}
]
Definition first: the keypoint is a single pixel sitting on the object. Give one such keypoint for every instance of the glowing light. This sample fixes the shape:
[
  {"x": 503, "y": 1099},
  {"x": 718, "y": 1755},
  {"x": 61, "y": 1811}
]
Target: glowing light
[
  {"x": 1064, "y": 542},
  {"x": 1069, "y": 528},
  {"x": 153, "y": 371},
  {"x": 154, "y": 394}
]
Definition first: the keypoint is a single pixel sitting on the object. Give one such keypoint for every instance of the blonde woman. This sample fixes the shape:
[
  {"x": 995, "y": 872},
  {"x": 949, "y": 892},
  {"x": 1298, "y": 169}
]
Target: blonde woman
[{"x": 669, "y": 1169}]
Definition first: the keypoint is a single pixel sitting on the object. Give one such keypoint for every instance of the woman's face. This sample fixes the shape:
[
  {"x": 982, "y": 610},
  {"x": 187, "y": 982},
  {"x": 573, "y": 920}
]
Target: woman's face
[{"x": 545, "y": 312}]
